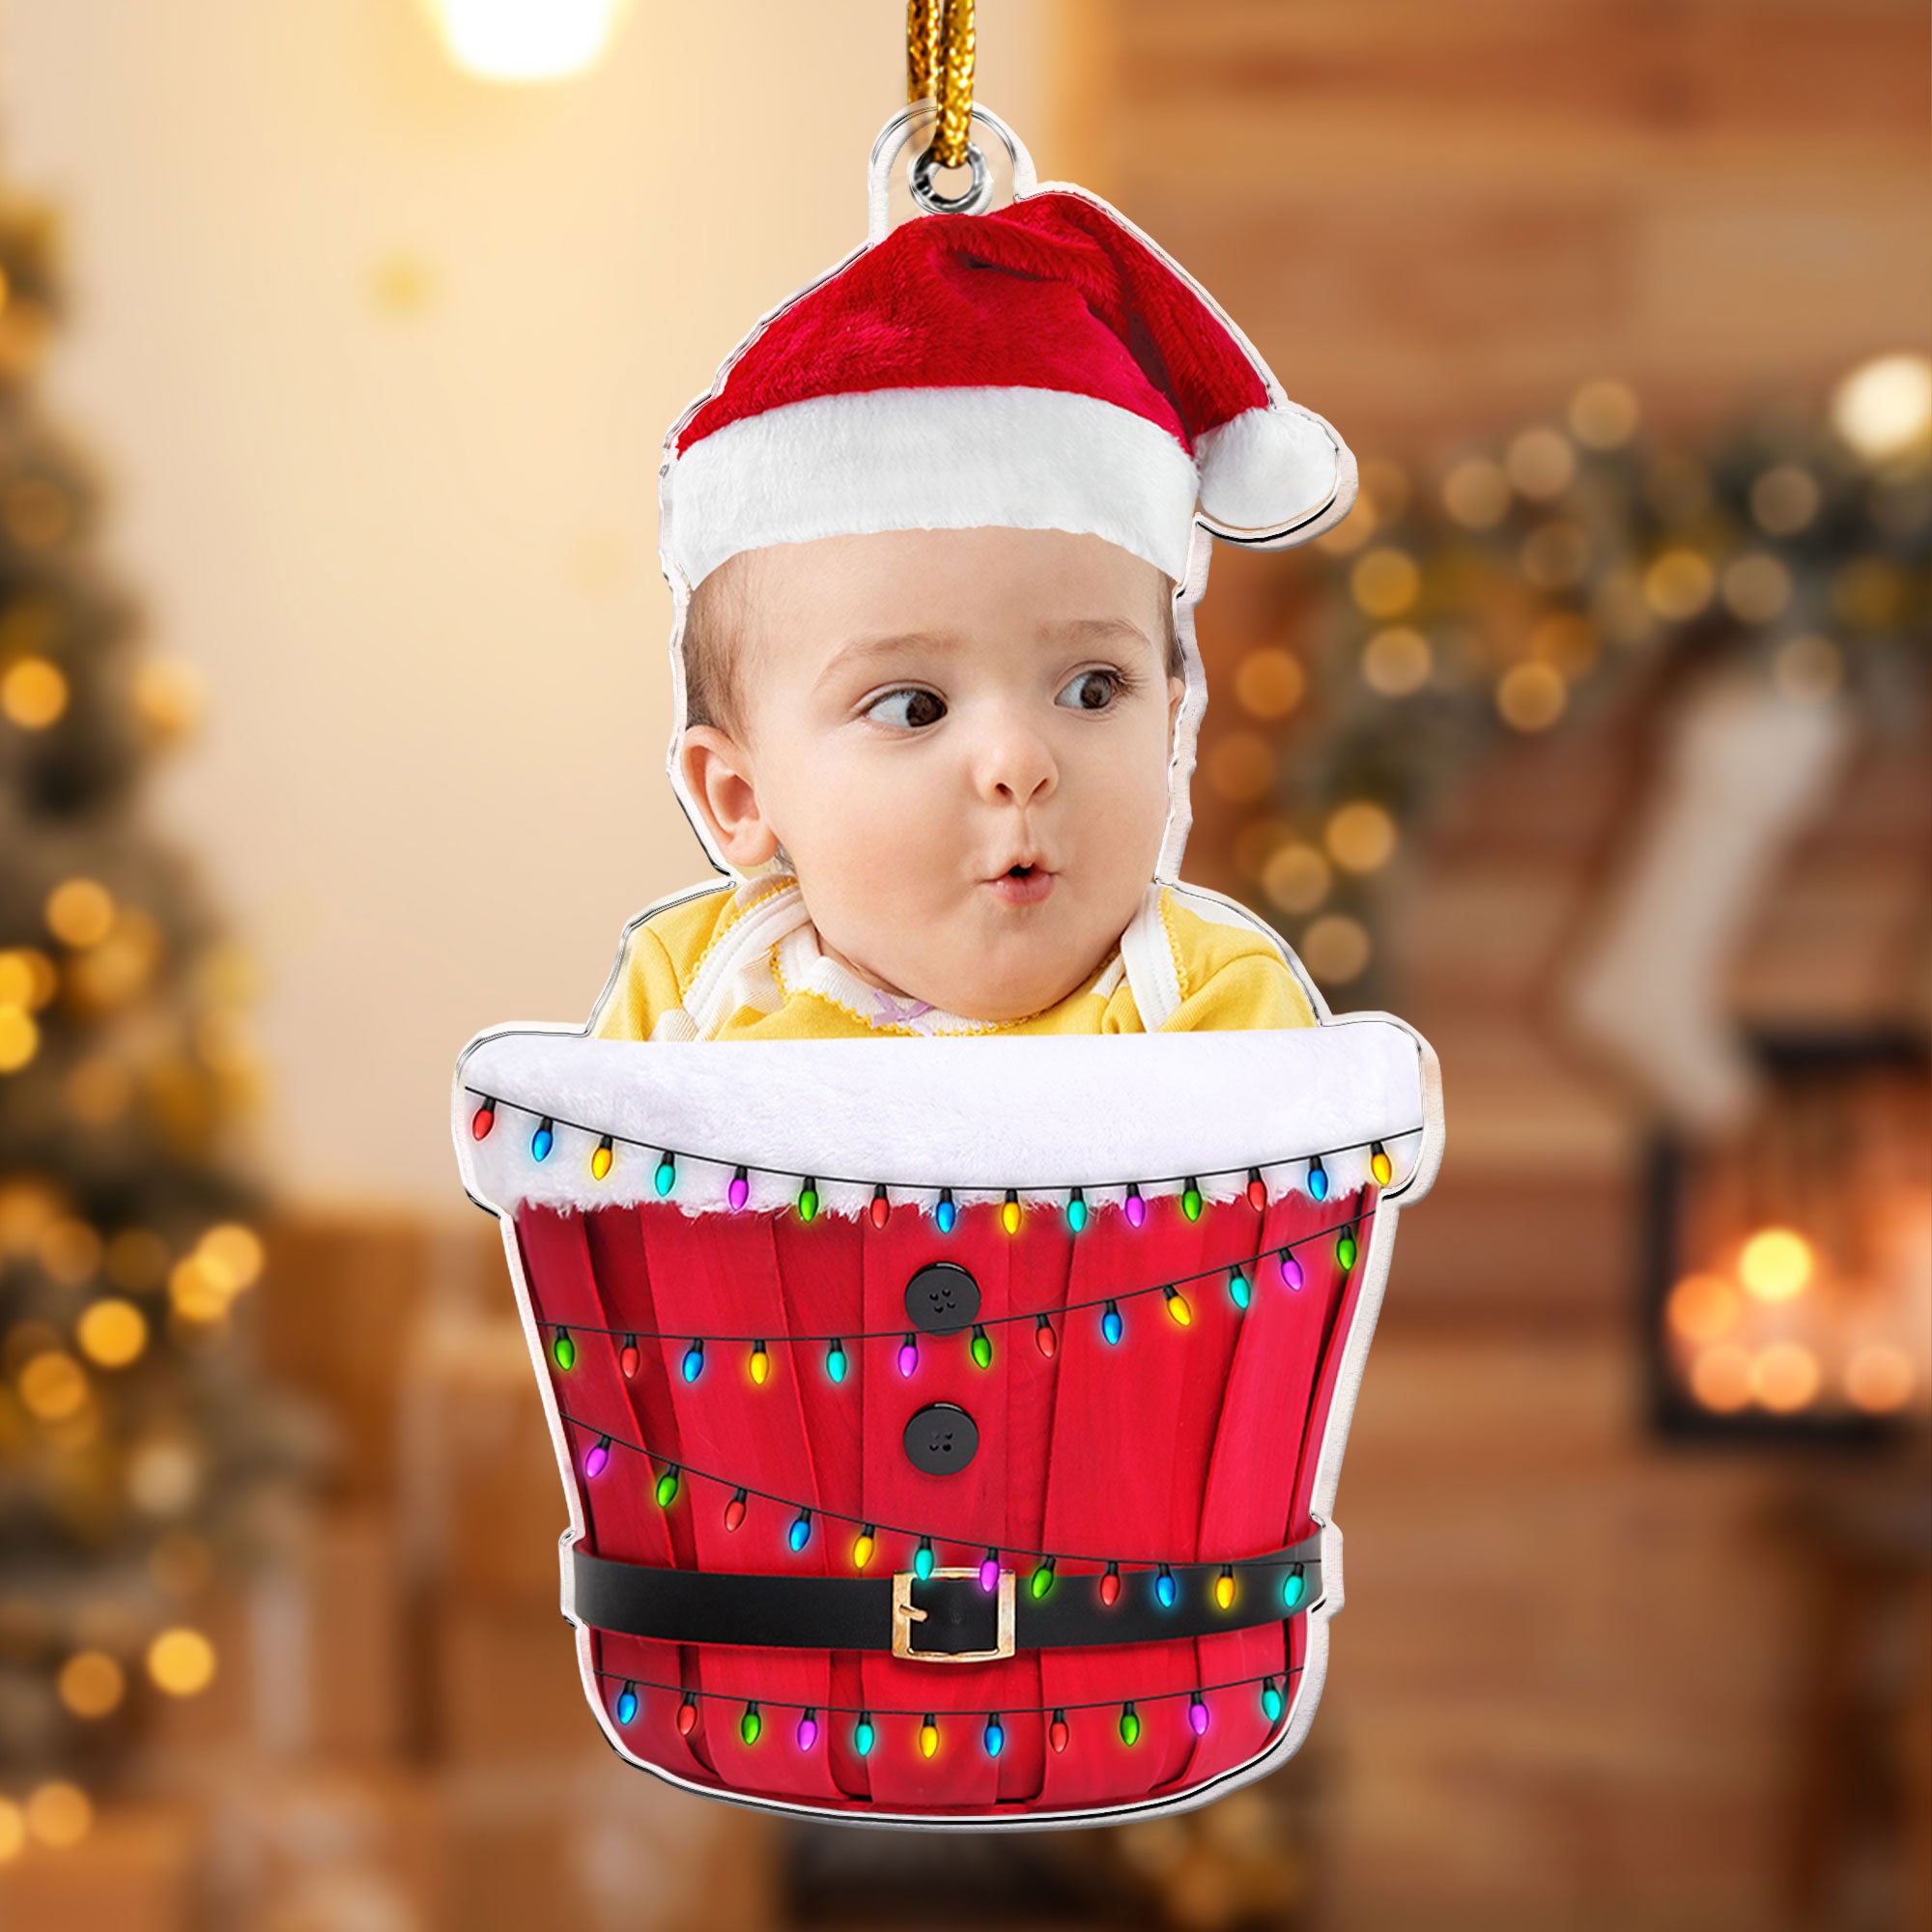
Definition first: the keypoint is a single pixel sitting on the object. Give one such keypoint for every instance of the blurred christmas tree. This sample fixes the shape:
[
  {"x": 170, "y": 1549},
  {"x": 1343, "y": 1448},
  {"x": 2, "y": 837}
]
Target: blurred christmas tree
[{"x": 134, "y": 1442}]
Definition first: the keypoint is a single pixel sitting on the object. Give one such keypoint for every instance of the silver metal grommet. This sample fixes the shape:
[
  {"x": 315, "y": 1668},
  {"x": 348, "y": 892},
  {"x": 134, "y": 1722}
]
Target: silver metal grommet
[{"x": 933, "y": 202}]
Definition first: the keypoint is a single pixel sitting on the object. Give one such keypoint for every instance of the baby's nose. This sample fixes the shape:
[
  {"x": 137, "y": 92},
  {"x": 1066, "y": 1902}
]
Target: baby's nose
[{"x": 1017, "y": 766}]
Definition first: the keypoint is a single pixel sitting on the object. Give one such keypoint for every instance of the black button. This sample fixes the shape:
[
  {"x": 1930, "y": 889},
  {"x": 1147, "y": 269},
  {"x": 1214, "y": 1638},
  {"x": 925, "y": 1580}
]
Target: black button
[
  {"x": 942, "y": 1298},
  {"x": 941, "y": 1437}
]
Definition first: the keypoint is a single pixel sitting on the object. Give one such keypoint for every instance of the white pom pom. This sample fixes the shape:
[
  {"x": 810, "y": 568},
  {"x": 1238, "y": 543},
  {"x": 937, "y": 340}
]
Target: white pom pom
[{"x": 1275, "y": 472}]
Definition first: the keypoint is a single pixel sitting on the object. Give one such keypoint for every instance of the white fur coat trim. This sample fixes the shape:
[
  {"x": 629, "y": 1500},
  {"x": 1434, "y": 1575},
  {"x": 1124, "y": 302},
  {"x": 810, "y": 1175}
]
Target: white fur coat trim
[{"x": 1039, "y": 1114}]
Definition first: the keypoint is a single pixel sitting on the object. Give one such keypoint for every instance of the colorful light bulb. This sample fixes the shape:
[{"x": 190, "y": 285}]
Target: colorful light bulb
[
  {"x": 665, "y": 1178},
  {"x": 1043, "y": 1337},
  {"x": 864, "y": 1735},
  {"x": 922, "y": 1559},
  {"x": 1317, "y": 1178},
  {"x": 946, "y": 1213},
  {"x": 734, "y": 1511},
  {"x": 1197, "y": 1715},
  {"x": 1291, "y": 1269},
  {"x": 599, "y": 1458},
  {"x": 1258, "y": 1194},
  {"x": 482, "y": 1121},
  {"x": 1130, "y": 1725},
  {"x": 687, "y": 1715},
  {"x": 908, "y": 1354},
  {"x": 1380, "y": 1164},
  {"x": 881, "y": 1209},
  {"x": 1191, "y": 1198},
  {"x": 1009, "y": 1212},
  {"x": 1240, "y": 1293},
  {"x": 995, "y": 1739},
  {"x": 1270, "y": 1700},
  {"x": 1344, "y": 1248},
  {"x": 863, "y": 1546},
  {"x": 1176, "y": 1306},
  {"x": 1224, "y": 1588},
  {"x": 989, "y": 1571},
  {"x": 750, "y": 1724},
  {"x": 1111, "y": 1324},
  {"x": 740, "y": 1190},
  {"x": 666, "y": 1486},
  {"x": 1110, "y": 1585},
  {"x": 1136, "y": 1204},
  {"x": 761, "y": 1364},
  {"x": 800, "y": 1533},
  {"x": 628, "y": 1359},
  {"x": 1164, "y": 1588},
  {"x": 808, "y": 1198},
  {"x": 562, "y": 1350},
  {"x": 808, "y": 1729},
  {"x": 1076, "y": 1210},
  {"x": 835, "y": 1360},
  {"x": 1293, "y": 1587},
  {"x": 1041, "y": 1580},
  {"x": 542, "y": 1141},
  {"x": 627, "y": 1703},
  {"x": 1055, "y": 1732},
  {"x": 600, "y": 1158},
  {"x": 928, "y": 1735},
  {"x": 693, "y": 1360},
  {"x": 983, "y": 1348}
]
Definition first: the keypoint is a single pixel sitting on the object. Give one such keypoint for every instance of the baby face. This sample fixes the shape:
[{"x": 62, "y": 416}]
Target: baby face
[{"x": 960, "y": 740}]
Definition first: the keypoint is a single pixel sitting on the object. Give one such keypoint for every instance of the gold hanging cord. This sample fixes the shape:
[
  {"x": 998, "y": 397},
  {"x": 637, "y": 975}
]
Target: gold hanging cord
[{"x": 939, "y": 68}]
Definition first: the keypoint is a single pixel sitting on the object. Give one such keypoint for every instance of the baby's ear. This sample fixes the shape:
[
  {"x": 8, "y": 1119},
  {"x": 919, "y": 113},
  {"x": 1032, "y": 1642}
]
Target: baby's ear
[{"x": 718, "y": 779}]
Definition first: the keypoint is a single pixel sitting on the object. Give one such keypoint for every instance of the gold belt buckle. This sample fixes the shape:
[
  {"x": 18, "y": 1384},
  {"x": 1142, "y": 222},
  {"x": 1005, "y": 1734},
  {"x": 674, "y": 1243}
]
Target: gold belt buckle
[{"x": 904, "y": 1614}]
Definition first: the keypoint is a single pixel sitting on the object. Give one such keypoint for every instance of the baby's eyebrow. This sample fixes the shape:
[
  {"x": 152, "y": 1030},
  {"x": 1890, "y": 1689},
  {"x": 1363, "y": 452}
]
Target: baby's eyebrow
[
  {"x": 895, "y": 643},
  {"x": 1094, "y": 629}
]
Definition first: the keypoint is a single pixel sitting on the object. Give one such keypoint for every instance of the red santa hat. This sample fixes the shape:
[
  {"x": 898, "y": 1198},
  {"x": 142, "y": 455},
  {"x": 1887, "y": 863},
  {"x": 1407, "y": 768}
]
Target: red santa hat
[{"x": 1041, "y": 366}]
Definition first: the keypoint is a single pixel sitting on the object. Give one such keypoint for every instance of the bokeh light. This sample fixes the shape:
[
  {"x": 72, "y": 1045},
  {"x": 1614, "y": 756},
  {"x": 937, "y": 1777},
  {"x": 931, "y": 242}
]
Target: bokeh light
[
  {"x": 1775, "y": 1264},
  {"x": 182, "y": 1662}
]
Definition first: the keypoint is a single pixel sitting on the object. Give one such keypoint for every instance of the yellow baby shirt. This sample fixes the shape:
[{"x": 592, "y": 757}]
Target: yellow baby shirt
[{"x": 744, "y": 963}]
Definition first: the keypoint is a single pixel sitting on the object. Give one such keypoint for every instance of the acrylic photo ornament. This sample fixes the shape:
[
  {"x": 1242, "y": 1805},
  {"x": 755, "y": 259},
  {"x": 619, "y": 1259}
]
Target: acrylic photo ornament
[{"x": 951, "y": 1431}]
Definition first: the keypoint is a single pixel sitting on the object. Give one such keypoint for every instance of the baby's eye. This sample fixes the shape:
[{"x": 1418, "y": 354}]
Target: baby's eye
[
  {"x": 1090, "y": 690},
  {"x": 911, "y": 708}
]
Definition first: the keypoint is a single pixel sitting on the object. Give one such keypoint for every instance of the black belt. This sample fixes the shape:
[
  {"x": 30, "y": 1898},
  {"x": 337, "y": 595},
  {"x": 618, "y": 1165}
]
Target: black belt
[{"x": 949, "y": 1618}]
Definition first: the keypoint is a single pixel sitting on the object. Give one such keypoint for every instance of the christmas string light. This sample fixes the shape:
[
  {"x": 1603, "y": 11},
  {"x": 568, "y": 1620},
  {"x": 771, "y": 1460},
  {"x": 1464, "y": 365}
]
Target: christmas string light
[
  {"x": 1292, "y": 1273},
  {"x": 598, "y": 1460},
  {"x": 983, "y": 1346},
  {"x": 761, "y": 1363},
  {"x": 808, "y": 1728},
  {"x": 563, "y": 1351},
  {"x": 1110, "y": 1585},
  {"x": 909, "y": 1354},
  {"x": 835, "y": 1360},
  {"x": 1045, "y": 1338},
  {"x": 1293, "y": 1587},
  {"x": 693, "y": 1360},
  {"x": 628, "y": 1359},
  {"x": 1164, "y": 1588},
  {"x": 601, "y": 1159},
  {"x": 865, "y": 1728},
  {"x": 1224, "y": 1588},
  {"x": 1238, "y": 1290},
  {"x": 863, "y": 1546},
  {"x": 1111, "y": 1324},
  {"x": 928, "y": 1735},
  {"x": 800, "y": 1533},
  {"x": 1344, "y": 1248},
  {"x": 881, "y": 1206},
  {"x": 994, "y": 1736},
  {"x": 946, "y": 1210},
  {"x": 1130, "y": 1724},
  {"x": 1040, "y": 1581},
  {"x": 989, "y": 1571},
  {"x": 627, "y": 1703},
  {"x": 1009, "y": 1211},
  {"x": 750, "y": 1724},
  {"x": 1176, "y": 1306}
]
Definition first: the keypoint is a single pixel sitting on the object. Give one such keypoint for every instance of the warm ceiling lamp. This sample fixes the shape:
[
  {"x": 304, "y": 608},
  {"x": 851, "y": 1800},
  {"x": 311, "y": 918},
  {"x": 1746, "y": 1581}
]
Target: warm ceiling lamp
[{"x": 526, "y": 40}]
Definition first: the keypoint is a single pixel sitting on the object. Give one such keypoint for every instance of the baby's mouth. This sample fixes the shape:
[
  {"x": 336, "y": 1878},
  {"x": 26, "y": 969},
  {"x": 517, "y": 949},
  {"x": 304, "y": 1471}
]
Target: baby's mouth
[{"x": 1022, "y": 885}]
